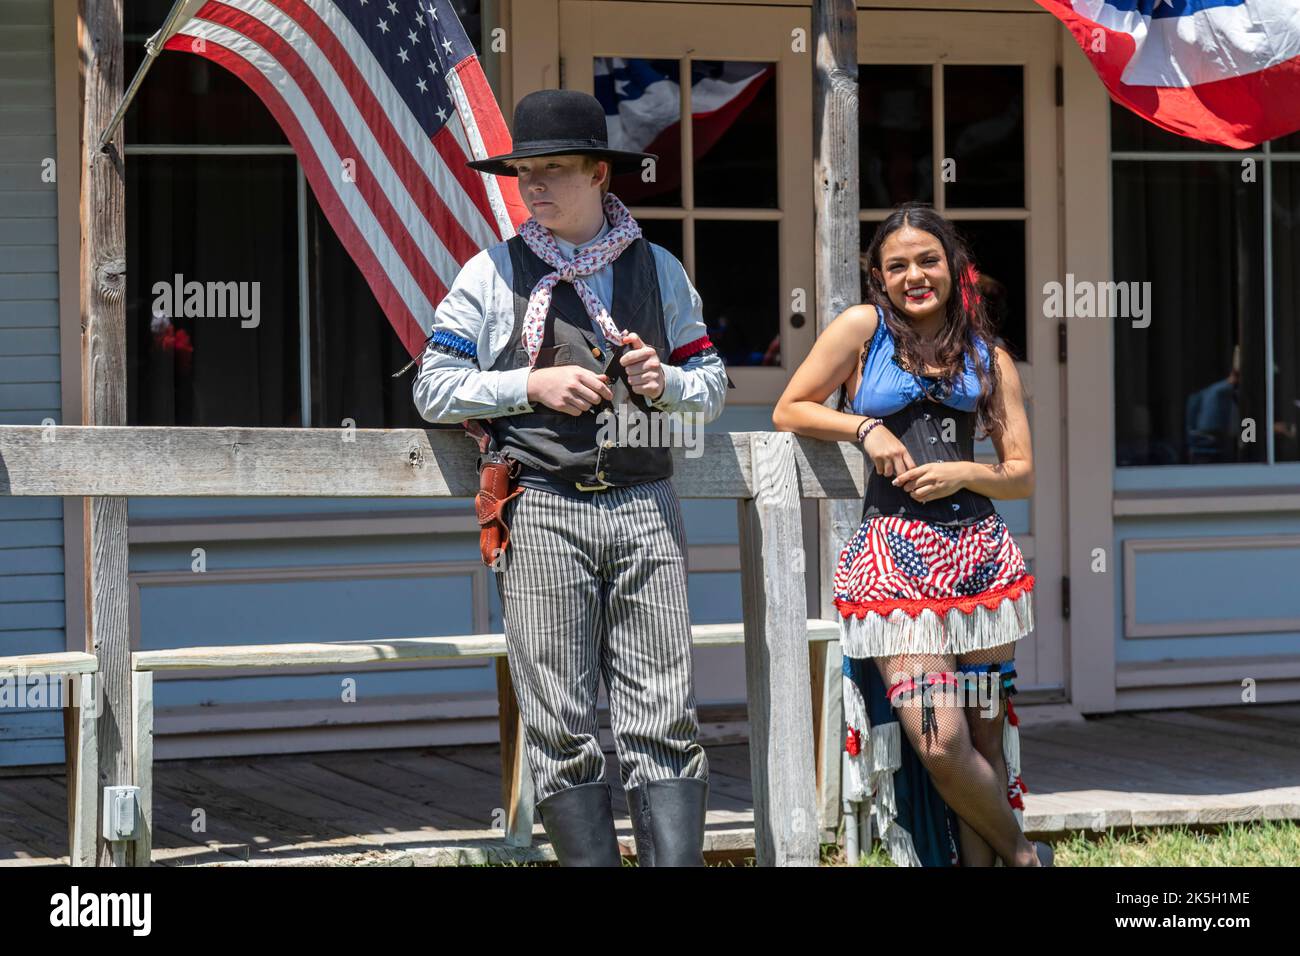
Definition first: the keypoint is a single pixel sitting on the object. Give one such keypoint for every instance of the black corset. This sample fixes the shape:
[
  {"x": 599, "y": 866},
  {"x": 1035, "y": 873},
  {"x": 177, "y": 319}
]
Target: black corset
[{"x": 930, "y": 432}]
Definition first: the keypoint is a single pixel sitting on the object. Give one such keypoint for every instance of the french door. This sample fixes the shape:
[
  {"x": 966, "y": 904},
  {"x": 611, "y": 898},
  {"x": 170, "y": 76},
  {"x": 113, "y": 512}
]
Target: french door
[
  {"x": 731, "y": 192},
  {"x": 958, "y": 109}
]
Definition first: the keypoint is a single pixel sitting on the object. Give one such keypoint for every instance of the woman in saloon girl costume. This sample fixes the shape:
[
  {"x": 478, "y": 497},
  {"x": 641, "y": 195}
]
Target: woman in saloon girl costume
[{"x": 931, "y": 587}]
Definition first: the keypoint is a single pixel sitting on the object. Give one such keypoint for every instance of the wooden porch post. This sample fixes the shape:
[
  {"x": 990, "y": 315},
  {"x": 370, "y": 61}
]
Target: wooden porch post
[
  {"x": 835, "y": 146},
  {"x": 103, "y": 364}
]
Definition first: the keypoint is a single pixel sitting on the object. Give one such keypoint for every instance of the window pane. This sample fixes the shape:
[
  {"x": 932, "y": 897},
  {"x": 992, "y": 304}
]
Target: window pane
[
  {"x": 470, "y": 15},
  {"x": 1287, "y": 144},
  {"x": 895, "y": 135},
  {"x": 186, "y": 98},
  {"x": 984, "y": 132},
  {"x": 999, "y": 251},
  {"x": 733, "y": 132},
  {"x": 1128, "y": 131},
  {"x": 643, "y": 112},
  {"x": 1286, "y": 310},
  {"x": 354, "y": 350},
  {"x": 737, "y": 269},
  {"x": 664, "y": 232},
  {"x": 212, "y": 221},
  {"x": 1185, "y": 383}
]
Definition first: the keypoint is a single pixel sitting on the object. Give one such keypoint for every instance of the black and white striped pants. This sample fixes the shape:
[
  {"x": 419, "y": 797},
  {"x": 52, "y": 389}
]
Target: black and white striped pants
[{"x": 595, "y": 589}]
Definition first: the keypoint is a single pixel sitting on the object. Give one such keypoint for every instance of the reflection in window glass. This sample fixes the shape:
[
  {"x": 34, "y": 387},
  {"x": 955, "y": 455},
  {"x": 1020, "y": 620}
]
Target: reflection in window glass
[
  {"x": 664, "y": 232},
  {"x": 1185, "y": 382},
  {"x": 643, "y": 112},
  {"x": 895, "y": 135},
  {"x": 999, "y": 250},
  {"x": 1286, "y": 311},
  {"x": 733, "y": 131},
  {"x": 229, "y": 224},
  {"x": 984, "y": 132},
  {"x": 737, "y": 275}
]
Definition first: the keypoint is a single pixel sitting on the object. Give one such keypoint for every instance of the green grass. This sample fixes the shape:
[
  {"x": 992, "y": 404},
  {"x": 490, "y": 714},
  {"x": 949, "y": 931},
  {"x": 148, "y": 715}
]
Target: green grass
[{"x": 1261, "y": 843}]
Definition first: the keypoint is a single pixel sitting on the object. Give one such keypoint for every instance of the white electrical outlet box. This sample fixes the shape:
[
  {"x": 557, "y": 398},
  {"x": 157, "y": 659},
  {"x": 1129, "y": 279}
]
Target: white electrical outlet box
[{"x": 121, "y": 810}]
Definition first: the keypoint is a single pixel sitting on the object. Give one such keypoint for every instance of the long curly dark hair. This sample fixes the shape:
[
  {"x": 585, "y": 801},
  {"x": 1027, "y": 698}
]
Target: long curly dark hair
[{"x": 967, "y": 320}]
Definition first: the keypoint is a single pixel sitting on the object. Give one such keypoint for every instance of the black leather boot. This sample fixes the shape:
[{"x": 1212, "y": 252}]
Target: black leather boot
[
  {"x": 579, "y": 822},
  {"x": 668, "y": 821}
]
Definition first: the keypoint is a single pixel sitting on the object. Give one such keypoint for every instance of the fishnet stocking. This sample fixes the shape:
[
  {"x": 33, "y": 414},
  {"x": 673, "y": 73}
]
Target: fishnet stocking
[{"x": 962, "y": 753}]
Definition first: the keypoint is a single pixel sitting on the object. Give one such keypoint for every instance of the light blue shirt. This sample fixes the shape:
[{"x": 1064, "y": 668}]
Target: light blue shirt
[{"x": 477, "y": 317}]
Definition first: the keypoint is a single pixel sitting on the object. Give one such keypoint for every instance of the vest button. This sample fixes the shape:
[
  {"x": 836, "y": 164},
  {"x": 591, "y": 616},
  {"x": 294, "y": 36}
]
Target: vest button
[
  {"x": 609, "y": 444},
  {"x": 595, "y": 351},
  {"x": 600, "y": 475},
  {"x": 933, "y": 439}
]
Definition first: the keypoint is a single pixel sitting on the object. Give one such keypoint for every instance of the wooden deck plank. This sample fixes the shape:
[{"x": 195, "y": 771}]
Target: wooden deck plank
[
  {"x": 396, "y": 808},
  {"x": 468, "y": 792},
  {"x": 1236, "y": 726},
  {"x": 357, "y": 768},
  {"x": 269, "y": 828},
  {"x": 34, "y": 822},
  {"x": 1166, "y": 742},
  {"x": 258, "y": 782},
  {"x": 433, "y": 806}
]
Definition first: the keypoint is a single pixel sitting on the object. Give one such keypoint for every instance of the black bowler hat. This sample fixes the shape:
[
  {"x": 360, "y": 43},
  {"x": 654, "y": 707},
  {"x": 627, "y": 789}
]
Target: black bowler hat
[{"x": 561, "y": 122}]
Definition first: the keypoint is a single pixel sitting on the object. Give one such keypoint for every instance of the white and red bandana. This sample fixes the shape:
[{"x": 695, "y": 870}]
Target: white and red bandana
[{"x": 588, "y": 261}]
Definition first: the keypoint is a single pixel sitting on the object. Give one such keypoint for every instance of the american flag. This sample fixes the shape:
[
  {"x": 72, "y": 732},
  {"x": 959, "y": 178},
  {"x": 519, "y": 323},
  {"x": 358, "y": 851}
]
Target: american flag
[
  {"x": 1220, "y": 71},
  {"x": 383, "y": 101}
]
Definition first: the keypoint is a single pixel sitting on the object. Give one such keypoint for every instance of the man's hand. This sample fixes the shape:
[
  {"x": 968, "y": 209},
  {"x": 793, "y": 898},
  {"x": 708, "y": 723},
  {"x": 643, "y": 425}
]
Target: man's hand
[
  {"x": 645, "y": 373},
  {"x": 568, "y": 388},
  {"x": 934, "y": 479}
]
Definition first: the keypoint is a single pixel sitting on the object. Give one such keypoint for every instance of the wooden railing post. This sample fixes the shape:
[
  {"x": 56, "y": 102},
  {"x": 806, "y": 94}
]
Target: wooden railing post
[
  {"x": 103, "y": 369},
  {"x": 776, "y": 658},
  {"x": 835, "y": 146}
]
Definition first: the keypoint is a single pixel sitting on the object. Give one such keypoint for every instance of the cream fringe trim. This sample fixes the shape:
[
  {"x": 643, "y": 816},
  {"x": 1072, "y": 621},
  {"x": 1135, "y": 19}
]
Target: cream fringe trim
[
  {"x": 870, "y": 774},
  {"x": 956, "y": 632},
  {"x": 1011, "y": 754}
]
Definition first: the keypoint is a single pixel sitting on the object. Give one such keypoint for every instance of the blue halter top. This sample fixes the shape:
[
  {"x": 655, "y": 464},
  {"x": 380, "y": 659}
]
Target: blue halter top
[{"x": 887, "y": 387}]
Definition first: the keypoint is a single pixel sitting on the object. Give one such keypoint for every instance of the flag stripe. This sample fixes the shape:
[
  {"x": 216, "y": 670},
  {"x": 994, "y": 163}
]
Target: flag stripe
[
  {"x": 1203, "y": 46},
  {"x": 376, "y": 182},
  {"x": 1220, "y": 73},
  {"x": 393, "y": 123},
  {"x": 436, "y": 230},
  {"x": 392, "y": 91},
  {"x": 396, "y": 290},
  {"x": 473, "y": 74}
]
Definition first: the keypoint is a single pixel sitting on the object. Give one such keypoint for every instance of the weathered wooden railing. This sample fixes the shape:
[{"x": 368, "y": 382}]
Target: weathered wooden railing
[{"x": 792, "y": 755}]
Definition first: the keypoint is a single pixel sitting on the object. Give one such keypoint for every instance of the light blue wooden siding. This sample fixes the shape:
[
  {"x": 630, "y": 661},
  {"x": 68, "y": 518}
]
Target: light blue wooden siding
[
  {"x": 31, "y": 529},
  {"x": 1228, "y": 584}
]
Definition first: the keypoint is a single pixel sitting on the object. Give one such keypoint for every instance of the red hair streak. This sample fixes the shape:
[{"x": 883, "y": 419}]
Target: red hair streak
[{"x": 970, "y": 287}]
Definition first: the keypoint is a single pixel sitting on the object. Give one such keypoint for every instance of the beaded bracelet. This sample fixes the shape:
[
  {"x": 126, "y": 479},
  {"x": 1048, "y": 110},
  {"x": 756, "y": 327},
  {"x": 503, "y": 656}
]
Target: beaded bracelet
[{"x": 863, "y": 433}]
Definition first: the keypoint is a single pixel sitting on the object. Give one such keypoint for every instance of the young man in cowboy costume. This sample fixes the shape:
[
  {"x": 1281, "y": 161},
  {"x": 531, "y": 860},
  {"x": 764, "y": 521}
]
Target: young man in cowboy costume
[{"x": 545, "y": 335}]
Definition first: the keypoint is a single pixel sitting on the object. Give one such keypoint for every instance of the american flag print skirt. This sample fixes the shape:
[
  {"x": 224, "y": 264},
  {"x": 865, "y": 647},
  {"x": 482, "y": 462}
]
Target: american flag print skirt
[{"x": 908, "y": 586}]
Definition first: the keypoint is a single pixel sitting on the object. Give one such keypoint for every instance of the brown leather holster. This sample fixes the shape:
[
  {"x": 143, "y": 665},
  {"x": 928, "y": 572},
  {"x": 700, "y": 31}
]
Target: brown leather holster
[{"x": 497, "y": 484}]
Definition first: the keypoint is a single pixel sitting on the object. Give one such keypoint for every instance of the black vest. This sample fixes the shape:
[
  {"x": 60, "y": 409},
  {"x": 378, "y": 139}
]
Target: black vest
[
  {"x": 565, "y": 446},
  {"x": 920, "y": 427}
]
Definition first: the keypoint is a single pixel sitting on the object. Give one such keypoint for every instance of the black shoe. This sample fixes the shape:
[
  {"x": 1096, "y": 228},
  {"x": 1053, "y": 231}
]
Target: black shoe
[
  {"x": 580, "y": 824},
  {"x": 668, "y": 821}
]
